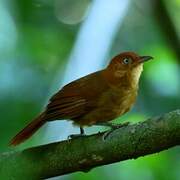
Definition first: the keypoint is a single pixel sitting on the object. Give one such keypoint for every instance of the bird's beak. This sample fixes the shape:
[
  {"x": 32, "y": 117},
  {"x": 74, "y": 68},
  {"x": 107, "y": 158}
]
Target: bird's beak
[{"x": 145, "y": 58}]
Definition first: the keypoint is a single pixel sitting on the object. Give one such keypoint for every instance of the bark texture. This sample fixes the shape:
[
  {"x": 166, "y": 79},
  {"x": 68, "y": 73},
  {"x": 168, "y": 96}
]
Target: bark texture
[{"x": 82, "y": 154}]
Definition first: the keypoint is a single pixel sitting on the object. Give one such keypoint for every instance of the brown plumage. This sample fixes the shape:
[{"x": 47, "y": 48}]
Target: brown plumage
[{"x": 96, "y": 98}]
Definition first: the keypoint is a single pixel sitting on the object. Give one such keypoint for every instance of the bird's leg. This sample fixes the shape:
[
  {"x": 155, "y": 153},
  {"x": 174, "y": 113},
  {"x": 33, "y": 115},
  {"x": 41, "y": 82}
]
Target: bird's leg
[
  {"x": 82, "y": 133},
  {"x": 112, "y": 126}
]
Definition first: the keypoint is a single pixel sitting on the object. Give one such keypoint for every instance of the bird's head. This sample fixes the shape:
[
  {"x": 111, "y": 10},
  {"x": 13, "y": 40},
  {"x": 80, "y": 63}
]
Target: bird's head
[{"x": 127, "y": 63}]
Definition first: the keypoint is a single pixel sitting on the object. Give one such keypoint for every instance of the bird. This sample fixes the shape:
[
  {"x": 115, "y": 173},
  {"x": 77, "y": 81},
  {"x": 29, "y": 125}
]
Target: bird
[{"x": 95, "y": 99}]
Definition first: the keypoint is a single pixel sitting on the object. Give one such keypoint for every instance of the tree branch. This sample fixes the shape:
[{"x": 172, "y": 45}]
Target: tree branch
[{"x": 82, "y": 154}]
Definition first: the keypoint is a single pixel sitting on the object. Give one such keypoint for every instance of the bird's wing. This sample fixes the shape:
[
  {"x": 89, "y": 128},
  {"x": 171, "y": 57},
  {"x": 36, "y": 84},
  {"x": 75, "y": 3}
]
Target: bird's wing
[{"x": 76, "y": 98}]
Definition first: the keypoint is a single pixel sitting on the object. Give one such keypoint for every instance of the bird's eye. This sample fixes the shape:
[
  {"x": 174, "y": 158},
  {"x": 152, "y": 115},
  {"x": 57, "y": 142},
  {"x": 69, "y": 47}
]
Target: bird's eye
[{"x": 127, "y": 60}]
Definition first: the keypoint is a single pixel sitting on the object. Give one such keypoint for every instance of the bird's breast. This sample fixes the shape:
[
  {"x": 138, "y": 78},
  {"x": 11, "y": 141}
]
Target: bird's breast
[
  {"x": 110, "y": 105},
  {"x": 118, "y": 102}
]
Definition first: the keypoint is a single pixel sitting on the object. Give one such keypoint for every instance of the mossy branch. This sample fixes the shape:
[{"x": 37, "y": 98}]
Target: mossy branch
[{"x": 82, "y": 154}]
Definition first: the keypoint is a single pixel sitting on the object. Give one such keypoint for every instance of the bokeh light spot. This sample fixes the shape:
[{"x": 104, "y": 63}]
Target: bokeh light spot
[{"x": 71, "y": 11}]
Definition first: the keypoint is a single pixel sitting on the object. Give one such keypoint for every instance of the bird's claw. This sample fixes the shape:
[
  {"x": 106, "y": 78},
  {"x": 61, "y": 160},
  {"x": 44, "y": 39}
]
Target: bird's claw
[
  {"x": 114, "y": 127},
  {"x": 106, "y": 134},
  {"x": 73, "y": 136}
]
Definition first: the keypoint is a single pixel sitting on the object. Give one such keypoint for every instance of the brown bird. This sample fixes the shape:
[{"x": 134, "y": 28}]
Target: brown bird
[{"x": 94, "y": 99}]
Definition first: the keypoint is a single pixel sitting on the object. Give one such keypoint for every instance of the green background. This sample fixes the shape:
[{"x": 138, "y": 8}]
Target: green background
[{"x": 37, "y": 39}]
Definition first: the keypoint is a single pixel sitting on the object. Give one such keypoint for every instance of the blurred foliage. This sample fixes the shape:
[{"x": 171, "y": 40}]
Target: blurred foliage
[{"x": 36, "y": 40}]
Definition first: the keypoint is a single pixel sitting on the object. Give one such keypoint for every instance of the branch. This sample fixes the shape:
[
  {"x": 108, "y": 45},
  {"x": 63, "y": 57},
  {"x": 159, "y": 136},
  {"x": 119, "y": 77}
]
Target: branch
[{"x": 82, "y": 154}]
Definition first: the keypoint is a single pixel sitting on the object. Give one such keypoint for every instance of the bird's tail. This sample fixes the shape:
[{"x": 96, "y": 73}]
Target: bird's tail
[{"x": 28, "y": 131}]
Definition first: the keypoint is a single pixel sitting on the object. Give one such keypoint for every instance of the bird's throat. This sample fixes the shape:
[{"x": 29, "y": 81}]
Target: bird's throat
[
  {"x": 126, "y": 79},
  {"x": 135, "y": 75}
]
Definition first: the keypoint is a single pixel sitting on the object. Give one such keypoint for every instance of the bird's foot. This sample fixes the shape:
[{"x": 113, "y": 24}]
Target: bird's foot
[
  {"x": 113, "y": 127},
  {"x": 73, "y": 136}
]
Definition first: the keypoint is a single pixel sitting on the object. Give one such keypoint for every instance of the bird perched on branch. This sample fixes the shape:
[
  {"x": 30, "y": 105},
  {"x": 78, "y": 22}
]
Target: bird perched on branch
[{"x": 94, "y": 99}]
